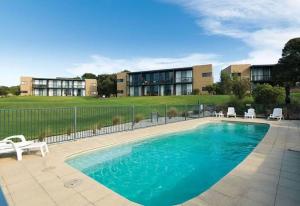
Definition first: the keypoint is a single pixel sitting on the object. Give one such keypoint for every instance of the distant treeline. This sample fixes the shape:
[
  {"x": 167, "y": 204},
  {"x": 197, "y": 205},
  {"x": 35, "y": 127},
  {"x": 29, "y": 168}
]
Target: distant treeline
[
  {"x": 14, "y": 90},
  {"x": 106, "y": 83}
]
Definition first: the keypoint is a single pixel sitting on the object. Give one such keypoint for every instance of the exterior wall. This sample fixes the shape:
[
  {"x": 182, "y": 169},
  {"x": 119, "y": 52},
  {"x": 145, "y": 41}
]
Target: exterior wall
[
  {"x": 200, "y": 81},
  {"x": 122, "y": 84},
  {"x": 243, "y": 69},
  {"x": 91, "y": 87},
  {"x": 26, "y": 86}
]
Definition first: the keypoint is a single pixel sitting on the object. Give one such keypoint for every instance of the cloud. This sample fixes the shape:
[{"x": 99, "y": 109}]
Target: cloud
[
  {"x": 99, "y": 64},
  {"x": 263, "y": 25}
]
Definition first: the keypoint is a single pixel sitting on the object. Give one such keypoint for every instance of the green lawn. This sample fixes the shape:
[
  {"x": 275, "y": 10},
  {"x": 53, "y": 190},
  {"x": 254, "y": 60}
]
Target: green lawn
[
  {"x": 37, "y": 117},
  {"x": 47, "y": 102},
  {"x": 36, "y": 120}
]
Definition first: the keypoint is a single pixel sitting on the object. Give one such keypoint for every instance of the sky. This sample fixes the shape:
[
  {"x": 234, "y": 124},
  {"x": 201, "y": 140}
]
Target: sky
[{"x": 67, "y": 38}]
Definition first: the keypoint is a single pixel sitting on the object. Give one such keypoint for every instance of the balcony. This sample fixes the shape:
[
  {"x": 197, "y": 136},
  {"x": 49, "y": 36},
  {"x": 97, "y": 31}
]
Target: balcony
[
  {"x": 153, "y": 82},
  {"x": 184, "y": 80},
  {"x": 54, "y": 86},
  {"x": 40, "y": 86},
  {"x": 79, "y": 86},
  {"x": 261, "y": 78}
]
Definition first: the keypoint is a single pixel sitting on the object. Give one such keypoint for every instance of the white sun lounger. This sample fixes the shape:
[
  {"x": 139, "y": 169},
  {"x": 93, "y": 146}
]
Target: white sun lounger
[
  {"x": 277, "y": 114},
  {"x": 231, "y": 112},
  {"x": 8, "y": 146},
  {"x": 250, "y": 113}
]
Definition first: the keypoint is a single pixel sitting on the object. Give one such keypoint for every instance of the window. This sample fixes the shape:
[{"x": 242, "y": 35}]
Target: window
[
  {"x": 120, "y": 80},
  {"x": 54, "y": 92},
  {"x": 206, "y": 74},
  {"x": 155, "y": 77},
  {"x": 23, "y": 83},
  {"x": 120, "y": 91}
]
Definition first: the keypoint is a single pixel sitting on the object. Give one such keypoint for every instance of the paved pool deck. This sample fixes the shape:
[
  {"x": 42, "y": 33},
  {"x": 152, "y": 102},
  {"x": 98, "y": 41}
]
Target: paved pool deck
[{"x": 270, "y": 175}]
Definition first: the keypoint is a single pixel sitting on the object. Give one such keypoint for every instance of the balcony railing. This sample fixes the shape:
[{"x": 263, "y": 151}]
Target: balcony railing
[
  {"x": 78, "y": 86},
  {"x": 153, "y": 82},
  {"x": 42, "y": 86},
  {"x": 258, "y": 78},
  {"x": 184, "y": 79}
]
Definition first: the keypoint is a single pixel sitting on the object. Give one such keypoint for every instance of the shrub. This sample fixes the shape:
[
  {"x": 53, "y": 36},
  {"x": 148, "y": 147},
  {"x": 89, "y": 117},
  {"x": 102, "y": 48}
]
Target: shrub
[
  {"x": 172, "y": 112},
  {"x": 97, "y": 126},
  {"x": 69, "y": 131},
  {"x": 45, "y": 133},
  {"x": 116, "y": 120},
  {"x": 267, "y": 95},
  {"x": 196, "y": 91},
  {"x": 293, "y": 111},
  {"x": 138, "y": 118}
]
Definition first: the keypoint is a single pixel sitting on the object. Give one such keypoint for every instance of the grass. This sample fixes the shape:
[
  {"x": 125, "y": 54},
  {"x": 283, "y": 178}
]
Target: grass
[
  {"x": 41, "y": 117},
  {"x": 49, "y": 102}
]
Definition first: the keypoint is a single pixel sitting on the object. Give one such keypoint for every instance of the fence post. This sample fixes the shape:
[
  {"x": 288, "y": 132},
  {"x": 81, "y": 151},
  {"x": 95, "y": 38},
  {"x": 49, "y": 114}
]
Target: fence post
[
  {"x": 199, "y": 110},
  {"x": 165, "y": 114},
  {"x": 132, "y": 126},
  {"x": 75, "y": 123},
  {"x": 203, "y": 109},
  {"x": 185, "y": 112}
]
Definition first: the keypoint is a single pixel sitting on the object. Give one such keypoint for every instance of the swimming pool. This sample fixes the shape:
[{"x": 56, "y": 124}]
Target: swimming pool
[
  {"x": 172, "y": 168},
  {"x": 2, "y": 199}
]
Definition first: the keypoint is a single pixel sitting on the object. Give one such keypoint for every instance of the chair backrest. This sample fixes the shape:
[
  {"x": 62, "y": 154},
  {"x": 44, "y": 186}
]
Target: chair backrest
[
  {"x": 277, "y": 112},
  {"x": 251, "y": 111},
  {"x": 231, "y": 110}
]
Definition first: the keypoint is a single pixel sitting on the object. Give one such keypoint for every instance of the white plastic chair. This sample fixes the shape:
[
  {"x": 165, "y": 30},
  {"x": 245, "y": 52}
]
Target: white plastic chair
[
  {"x": 277, "y": 114},
  {"x": 8, "y": 147},
  {"x": 250, "y": 113},
  {"x": 219, "y": 114},
  {"x": 231, "y": 112}
]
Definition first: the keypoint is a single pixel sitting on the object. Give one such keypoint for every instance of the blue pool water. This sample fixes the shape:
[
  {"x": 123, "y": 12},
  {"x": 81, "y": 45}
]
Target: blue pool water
[
  {"x": 2, "y": 199},
  {"x": 173, "y": 168}
]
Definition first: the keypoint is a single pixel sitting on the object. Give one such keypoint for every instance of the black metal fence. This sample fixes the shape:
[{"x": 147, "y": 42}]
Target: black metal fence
[{"x": 64, "y": 124}]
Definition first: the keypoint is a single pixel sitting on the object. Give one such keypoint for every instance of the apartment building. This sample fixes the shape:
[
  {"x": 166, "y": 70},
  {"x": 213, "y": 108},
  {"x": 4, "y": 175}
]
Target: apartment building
[
  {"x": 31, "y": 86},
  {"x": 165, "y": 82},
  {"x": 255, "y": 73}
]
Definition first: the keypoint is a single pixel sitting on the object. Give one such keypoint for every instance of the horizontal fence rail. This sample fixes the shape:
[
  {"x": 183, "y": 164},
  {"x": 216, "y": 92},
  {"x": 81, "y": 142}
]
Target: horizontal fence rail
[{"x": 65, "y": 124}]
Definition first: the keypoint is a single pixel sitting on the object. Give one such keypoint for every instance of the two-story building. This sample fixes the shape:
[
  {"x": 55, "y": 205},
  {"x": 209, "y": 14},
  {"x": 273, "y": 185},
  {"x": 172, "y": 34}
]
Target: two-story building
[
  {"x": 257, "y": 74},
  {"x": 31, "y": 86},
  {"x": 164, "y": 82}
]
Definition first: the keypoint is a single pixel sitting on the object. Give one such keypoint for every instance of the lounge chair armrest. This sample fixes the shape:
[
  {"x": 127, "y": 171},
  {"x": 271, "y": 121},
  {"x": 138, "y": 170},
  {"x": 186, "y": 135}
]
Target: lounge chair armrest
[
  {"x": 9, "y": 142},
  {"x": 20, "y": 137}
]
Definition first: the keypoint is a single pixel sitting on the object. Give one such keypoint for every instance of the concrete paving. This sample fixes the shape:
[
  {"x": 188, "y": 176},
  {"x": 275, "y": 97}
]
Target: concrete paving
[{"x": 270, "y": 175}]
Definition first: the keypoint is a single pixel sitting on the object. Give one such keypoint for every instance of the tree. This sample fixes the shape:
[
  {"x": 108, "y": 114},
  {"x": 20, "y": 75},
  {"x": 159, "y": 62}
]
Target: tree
[
  {"x": 210, "y": 89},
  {"x": 107, "y": 84},
  {"x": 3, "y": 91},
  {"x": 226, "y": 83},
  {"x": 287, "y": 71},
  {"x": 240, "y": 87},
  {"x": 89, "y": 76},
  {"x": 265, "y": 94},
  {"x": 15, "y": 90}
]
